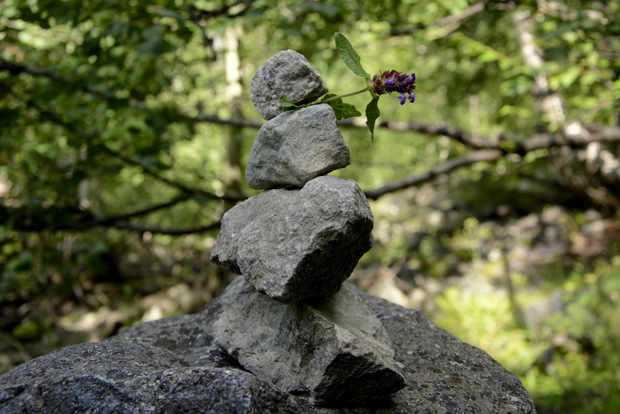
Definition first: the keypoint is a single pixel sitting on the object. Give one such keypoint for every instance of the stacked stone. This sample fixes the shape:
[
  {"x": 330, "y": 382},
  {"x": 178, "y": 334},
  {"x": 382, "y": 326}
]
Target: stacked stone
[{"x": 290, "y": 320}]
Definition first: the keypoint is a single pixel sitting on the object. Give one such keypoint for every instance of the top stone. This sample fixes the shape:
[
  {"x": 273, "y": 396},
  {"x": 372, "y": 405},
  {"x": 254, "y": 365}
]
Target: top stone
[{"x": 287, "y": 73}]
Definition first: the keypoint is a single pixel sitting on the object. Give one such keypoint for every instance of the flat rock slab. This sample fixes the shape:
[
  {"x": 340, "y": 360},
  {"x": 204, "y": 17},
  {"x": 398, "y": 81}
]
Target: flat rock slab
[
  {"x": 287, "y": 73},
  {"x": 332, "y": 352},
  {"x": 172, "y": 366},
  {"x": 295, "y": 147},
  {"x": 297, "y": 244}
]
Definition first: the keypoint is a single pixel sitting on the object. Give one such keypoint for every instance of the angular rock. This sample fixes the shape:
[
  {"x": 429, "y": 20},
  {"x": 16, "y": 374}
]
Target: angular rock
[
  {"x": 297, "y": 244},
  {"x": 171, "y": 365},
  {"x": 287, "y": 73},
  {"x": 333, "y": 351},
  {"x": 295, "y": 147}
]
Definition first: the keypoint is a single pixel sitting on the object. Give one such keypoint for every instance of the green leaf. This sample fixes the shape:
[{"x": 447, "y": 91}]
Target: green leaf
[
  {"x": 341, "y": 109},
  {"x": 287, "y": 104},
  {"x": 372, "y": 113},
  {"x": 349, "y": 56}
]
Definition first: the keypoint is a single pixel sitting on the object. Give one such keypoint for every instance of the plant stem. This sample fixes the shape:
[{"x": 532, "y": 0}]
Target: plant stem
[{"x": 333, "y": 98}]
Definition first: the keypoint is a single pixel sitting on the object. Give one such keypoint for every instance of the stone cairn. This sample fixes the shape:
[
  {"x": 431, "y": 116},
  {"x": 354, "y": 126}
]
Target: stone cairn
[{"x": 292, "y": 322}]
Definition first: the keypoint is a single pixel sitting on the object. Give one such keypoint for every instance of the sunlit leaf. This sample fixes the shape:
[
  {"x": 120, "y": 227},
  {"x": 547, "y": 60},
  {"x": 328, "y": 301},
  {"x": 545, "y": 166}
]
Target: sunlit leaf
[{"x": 349, "y": 56}]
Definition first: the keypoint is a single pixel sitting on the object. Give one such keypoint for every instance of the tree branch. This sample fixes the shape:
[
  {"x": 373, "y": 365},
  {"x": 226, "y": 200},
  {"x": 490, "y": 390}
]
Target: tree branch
[
  {"x": 469, "y": 140},
  {"x": 28, "y": 218},
  {"x": 540, "y": 141},
  {"x": 159, "y": 230},
  {"x": 517, "y": 145},
  {"x": 236, "y": 122},
  {"x": 172, "y": 183},
  {"x": 487, "y": 148},
  {"x": 16, "y": 69},
  {"x": 443, "y": 168},
  {"x": 451, "y": 22},
  {"x": 123, "y": 217}
]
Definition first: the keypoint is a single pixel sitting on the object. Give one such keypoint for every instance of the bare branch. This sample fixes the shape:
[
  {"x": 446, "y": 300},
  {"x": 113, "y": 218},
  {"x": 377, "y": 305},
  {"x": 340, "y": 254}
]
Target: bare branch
[
  {"x": 231, "y": 121},
  {"x": 469, "y": 140},
  {"x": 170, "y": 182},
  {"x": 486, "y": 148},
  {"x": 517, "y": 145},
  {"x": 16, "y": 68},
  {"x": 443, "y": 168},
  {"x": 143, "y": 212},
  {"x": 540, "y": 141},
  {"x": 159, "y": 230}
]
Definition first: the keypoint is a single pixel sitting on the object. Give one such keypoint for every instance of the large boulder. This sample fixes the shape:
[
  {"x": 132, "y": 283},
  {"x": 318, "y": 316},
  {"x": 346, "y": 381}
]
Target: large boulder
[
  {"x": 173, "y": 366},
  {"x": 293, "y": 244},
  {"x": 296, "y": 146},
  {"x": 333, "y": 351},
  {"x": 289, "y": 74}
]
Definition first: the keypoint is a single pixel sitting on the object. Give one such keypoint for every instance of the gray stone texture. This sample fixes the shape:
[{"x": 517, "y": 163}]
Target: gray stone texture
[
  {"x": 333, "y": 351},
  {"x": 172, "y": 366},
  {"x": 287, "y": 73},
  {"x": 297, "y": 244},
  {"x": 295, "y": 147}
]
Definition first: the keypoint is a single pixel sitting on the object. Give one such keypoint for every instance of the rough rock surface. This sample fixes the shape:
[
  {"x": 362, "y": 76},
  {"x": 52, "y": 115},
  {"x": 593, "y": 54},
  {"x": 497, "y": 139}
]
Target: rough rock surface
[
  {"x": 334, "y": 351},
  {"x": 296, "y": 146},
  {"x": 287, "y": 73},
  {"x": 172, "y": 366},
  {"x": 297, "y": 244}
]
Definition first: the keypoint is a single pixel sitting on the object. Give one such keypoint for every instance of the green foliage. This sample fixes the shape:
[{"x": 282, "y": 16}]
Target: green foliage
[
  {"x": 108, "y": 173},
  {"x": 569, "y": 362},
  {"x": 580, "y": 370}
]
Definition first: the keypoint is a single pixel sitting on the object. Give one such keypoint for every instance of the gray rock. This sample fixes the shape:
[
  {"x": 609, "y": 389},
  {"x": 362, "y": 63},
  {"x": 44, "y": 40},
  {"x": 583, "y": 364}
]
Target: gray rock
[
  {"x": 287, "y": 73},
  {"x": 133, "y": 377},
  {"x": 297, "y": 244},
  {"x": 333, "y": 351},
  {"x": 296, "y": 146},
  {"x": 171, "y": 365}
]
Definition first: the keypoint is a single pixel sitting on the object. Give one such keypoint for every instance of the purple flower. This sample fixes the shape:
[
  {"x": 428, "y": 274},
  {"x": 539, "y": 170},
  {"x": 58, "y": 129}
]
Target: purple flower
[{"x": 394, "y": 81}]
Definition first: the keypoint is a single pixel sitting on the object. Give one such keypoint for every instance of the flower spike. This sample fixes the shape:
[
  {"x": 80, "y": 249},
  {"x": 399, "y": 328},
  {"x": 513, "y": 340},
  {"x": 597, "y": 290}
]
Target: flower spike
[{"x": 394, "y": 81}]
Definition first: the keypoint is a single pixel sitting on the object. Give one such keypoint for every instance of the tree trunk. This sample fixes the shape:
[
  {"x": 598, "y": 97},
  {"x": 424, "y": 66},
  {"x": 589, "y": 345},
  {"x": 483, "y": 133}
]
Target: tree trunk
[{"x": 232, "y": 173}]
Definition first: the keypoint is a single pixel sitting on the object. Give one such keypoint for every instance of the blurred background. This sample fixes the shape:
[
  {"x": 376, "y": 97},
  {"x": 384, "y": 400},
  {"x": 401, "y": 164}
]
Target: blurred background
[{"x": 125, "y": 127}]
